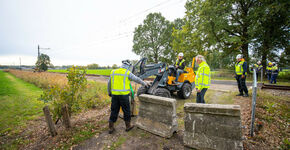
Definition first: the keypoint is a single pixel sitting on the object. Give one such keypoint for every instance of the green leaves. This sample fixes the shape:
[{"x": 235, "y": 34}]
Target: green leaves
[
  {"x": 152, "y": 38},
  {"x": 43, "y": 61},
  {"x": 71, "y": 94}
]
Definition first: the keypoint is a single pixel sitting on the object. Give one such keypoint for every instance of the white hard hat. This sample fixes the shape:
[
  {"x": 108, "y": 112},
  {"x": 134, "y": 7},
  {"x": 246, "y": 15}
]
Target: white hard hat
[
  {"x": 126, "y": 62},
  {"x": 180, "y": 54},
  {"x": 239, "y": 56},
  {"x": 259, "y": 62}
]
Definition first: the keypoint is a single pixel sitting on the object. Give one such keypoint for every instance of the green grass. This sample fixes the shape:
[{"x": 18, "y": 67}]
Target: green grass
[
  {"x": 95, "y": 71},
  {"x": 18, "y": 104}
]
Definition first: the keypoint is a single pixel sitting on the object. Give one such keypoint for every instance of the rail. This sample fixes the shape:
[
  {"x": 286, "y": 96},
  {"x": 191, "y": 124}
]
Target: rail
[{"x": 275, "y": 87}]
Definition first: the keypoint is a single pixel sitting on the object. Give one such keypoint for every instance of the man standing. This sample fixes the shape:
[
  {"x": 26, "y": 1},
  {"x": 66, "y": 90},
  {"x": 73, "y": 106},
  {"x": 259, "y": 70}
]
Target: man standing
[
  {"x": 180, "y": 66},
  {"x": 119, "y": 90},
  {"x": 275, "y": 72},
  {"x": 258, "y": 68},
  {"x": 202, "y": 79},
  {"x": 269, "y": 71},
  {"x": 241, "y": 73}
]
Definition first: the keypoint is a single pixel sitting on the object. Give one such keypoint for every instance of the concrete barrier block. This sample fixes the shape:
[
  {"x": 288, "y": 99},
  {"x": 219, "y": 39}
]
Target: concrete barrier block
[
  {"x": 157, "y": 115},
  {"x": 212, "y": 126}
]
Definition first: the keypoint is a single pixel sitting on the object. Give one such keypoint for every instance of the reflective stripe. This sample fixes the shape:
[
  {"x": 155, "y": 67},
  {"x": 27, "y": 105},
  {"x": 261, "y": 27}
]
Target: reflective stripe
[
  {"x": 124, "y": 81},
  {"x": 204, "y": 84},
  {"x": 113, "y": 77},
  {"x": 205, "y": 74},
  {"x": 119, "y": 74},
  {"x": 121, "y": 90},
  {"x": 202, "y": 76}
]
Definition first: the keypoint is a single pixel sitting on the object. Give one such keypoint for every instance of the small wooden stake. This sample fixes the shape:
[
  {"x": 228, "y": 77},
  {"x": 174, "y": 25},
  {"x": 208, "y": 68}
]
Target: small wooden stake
[
  {"x": 65, "y": 116},
  {"x": 49, "y": 121}
]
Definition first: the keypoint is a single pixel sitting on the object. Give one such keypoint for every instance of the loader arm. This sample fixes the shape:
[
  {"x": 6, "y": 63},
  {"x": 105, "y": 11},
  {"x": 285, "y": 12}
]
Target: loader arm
[{"x": 143, "y": 71}]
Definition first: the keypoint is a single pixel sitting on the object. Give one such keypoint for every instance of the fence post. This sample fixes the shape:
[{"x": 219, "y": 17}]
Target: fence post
[
  {"x": 254, "y": 96},
  {"x": 65, "y": 116},
  {"x": 49, "y": 121}
]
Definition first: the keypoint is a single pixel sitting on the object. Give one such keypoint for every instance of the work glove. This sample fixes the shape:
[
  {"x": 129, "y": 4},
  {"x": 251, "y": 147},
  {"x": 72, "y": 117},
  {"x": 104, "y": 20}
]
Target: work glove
[{"x": 147, "y": 85}]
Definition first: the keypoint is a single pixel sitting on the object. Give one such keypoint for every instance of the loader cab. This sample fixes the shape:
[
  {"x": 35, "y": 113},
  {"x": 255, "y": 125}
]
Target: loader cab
[{"x": 164, "y": 76}]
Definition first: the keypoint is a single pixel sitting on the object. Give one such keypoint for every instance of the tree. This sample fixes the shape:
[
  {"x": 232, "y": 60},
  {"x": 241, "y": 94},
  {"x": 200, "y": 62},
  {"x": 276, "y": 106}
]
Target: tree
[
  {"x": 115, "y": 66},
  {"x": 93, "y": 66},
  {"x": 216, "y": 25},
  {"x": 272, "y": 31},
  {"x": 42, "y": 62},
  {"x": 153, "y": 37}
]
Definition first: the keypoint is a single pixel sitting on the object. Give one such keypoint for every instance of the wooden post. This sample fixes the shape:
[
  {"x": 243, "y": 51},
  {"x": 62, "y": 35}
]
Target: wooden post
[
  {"x": 65, "y": 116},
  {"x": 49, "y": 121}
]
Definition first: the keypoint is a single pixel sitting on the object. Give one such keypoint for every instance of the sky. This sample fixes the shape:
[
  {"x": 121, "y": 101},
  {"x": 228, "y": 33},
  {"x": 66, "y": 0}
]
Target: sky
[{"x": 78, "y": 32}]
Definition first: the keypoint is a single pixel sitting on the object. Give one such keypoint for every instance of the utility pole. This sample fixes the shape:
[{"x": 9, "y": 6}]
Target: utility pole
[
  {"x": 20, "y": 63},
  {"x": 38, "y": 48}
]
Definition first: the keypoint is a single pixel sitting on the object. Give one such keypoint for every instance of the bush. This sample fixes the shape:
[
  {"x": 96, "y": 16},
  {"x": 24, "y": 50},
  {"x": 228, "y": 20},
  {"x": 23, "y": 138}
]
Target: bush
[{"x": 70, "y": 94}]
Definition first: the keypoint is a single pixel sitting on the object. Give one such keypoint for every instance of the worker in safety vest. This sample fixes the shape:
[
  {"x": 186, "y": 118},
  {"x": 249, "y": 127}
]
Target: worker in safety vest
[
  {"x": 119, "y": 90},
  {"x": 202, "y": 79},
  {"x": 269, "y": 71},
  {"x": 275, "y": 72},
  {"x": 241, "y": 73},
  {"x": 179, "y": 65},
  {"x": 258, "y": 68}
]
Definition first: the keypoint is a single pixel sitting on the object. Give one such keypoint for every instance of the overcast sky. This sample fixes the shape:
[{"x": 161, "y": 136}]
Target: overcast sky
[{"x": 78, "y": 32}]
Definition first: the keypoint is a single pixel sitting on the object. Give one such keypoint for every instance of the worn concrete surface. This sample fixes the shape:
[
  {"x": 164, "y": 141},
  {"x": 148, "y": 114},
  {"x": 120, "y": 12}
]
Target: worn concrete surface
[
  {"x": 157, "y": 115},
  {"x": 212, "y": 126}
]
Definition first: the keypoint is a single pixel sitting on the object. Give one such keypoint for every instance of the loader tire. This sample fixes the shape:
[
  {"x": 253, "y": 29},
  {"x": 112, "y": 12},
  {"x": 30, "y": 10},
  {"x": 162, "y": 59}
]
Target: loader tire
[
  {"x": 185, "y": 91},
  {"x": 142, "y": 90},
  {"x": 162, "y": 92}
]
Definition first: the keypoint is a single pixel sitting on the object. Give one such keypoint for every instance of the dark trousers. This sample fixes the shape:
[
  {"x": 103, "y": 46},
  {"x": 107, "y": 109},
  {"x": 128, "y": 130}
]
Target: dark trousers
[
  {"x": 242, "y": 84},
  {"x": 117, "y": 101},
  {"x": 200, "y": 96},
  {"x": 269, "y": 76},
  {"x": 257, "y": 75},
  {"x": 273, "y": 78}
]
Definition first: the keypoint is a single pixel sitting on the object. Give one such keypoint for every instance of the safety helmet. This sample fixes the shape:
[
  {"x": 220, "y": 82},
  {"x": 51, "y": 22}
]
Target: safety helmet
[
  {"x": 126, "y": 62},
  {"x": 270, "y": 63},
  {"x": 239, "y": 56},
  {"x": 259, "y": 62},
  {"x": 180, "y": 54}
]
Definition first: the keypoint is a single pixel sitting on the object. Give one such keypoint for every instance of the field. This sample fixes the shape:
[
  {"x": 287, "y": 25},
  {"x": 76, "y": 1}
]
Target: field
[
  {"x": 23, "y": 126},
  {"x": 105, "y": 72}
]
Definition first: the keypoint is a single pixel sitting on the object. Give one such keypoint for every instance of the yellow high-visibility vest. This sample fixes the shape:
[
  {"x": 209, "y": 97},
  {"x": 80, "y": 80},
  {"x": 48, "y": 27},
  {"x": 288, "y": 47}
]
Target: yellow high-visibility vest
[
  {"x": 180, "y": 64},
  {"x": 269, "y": 69},
  {"x": 202, "y": 79},
  {"x": 239, "y": 68},
  {"x": 120, "y": 84}
]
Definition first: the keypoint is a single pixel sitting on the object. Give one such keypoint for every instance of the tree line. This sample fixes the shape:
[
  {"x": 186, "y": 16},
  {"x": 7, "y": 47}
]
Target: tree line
[{"x": 219, "y": 30}]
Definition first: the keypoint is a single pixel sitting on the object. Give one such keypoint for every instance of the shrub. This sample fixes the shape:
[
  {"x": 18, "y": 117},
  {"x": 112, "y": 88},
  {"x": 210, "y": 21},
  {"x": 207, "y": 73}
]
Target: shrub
[{"x": 70, "y": 94}]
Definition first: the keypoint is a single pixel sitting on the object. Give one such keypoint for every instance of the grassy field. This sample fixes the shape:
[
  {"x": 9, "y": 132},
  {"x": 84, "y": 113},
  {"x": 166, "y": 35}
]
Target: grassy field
[
  {"x": 105, "y": 72},
  {"x": 18, "y": 103}
]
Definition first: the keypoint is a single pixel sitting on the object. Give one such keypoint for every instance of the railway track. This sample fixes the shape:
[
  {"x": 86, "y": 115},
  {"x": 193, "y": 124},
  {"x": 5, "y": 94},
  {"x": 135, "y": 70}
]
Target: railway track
[{"x": 275, "y": 87}]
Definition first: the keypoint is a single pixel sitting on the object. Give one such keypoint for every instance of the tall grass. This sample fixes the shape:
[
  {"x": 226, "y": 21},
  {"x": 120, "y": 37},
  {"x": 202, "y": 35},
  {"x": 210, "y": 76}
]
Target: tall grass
[
  {"x": 41, "y": 79},
  {"x": 95, "y": 94},
  {"x": 104, "y": 72}
]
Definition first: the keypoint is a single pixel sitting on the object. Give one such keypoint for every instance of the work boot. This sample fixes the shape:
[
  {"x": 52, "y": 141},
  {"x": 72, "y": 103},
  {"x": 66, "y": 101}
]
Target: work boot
[
  {"x": 128, "y": 126},
  {"x": 240, "y": 94},
  {"x": 111, "y": 127},
  {"x": 246, "y": 95}
]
